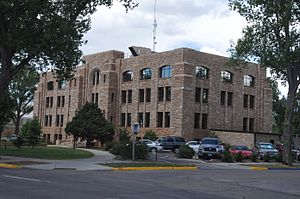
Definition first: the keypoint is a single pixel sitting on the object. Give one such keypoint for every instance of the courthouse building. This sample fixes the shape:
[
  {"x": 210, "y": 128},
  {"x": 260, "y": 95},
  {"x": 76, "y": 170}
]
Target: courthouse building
[{"x": 181, "y": 92}]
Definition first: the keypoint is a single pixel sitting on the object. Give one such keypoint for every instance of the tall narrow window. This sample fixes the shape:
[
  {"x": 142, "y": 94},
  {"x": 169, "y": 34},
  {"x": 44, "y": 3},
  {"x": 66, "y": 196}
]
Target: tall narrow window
[
  {"x": 205, "y": 96},
  {"x": 61, "y": 120},
  {"x": 104, "y": 79},
  {"x": 245, "y": 122},
  {"x": 127, "y": 76},
  {"x": 148, "y": 94},
  {"x": 129, "y": 97},
  {"x": 123, "y": 115},
  {"x": 147, "y": 119},
  {"x": 128, "y": 119},
  {"x": 62, "y": 101},
  {"x": 223, "y": 94},
  {"x": 58, "y": 101},
  {"x": 93, "y": 97},
  {"x": 51, "y": 102},
  {"x": 167, "y": 119},
  {"x": 141, "y": 95},
  {"x": 166, "y": 71},
  {"x": 196, "y": 120},
  {"x": 46, "y": 120},
  {"x": 57, "y": 120},
  {"x": 141, "y": 119},
  {"x": 62, "y": 84},
  {"x": 197, "y": 94},
  {"x": 201, "y": 72},
  {"x": 96, "y": 77},
  {"x": 161, "y": 94},
  {"x": 123, "y": 94},
  {"x": 252, "y": 97},
  {"x": 251, "y": 124},
  {"x": 204, "y": 121},
  {"x": 229, "y": 98},
  {"x": 146, "y": 73},
  {"x": 168, "y": 93},
  {"x": 97, "y": 98},
  {"x": 112, "y": 97},
  {"x": 159, "y": 119},
  {"x": 47, "y": 101},
  {"x": 248, "y": 80},
  {"x": 50, "y": 120},
  {"x": 226, "y": 76},
  {"x": 245, "y": 101}
]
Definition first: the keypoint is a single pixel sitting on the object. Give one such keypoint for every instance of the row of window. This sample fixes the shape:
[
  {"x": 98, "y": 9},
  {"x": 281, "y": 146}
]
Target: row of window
[
  {"x": 61, "y": 84},
  {"x": 204, "y": 95},
  {"x": 229, "y": 98},
  {"x": 249, "y": 101},
  {"x": 58, "y": 122},
  {"x": 163, "y": 119},
  {"x": 248, "y": 124},
  {"x": 204, "y": 120},
  {"x": 60, "y": 101}
]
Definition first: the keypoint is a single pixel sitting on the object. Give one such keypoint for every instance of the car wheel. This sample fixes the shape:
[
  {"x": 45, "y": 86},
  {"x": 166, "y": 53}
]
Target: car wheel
[{"x": 153, "y": 150}]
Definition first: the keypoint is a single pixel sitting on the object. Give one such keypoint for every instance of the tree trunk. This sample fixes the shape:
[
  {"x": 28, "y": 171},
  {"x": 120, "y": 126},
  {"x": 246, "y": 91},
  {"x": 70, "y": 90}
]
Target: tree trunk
[{"x": 17, "y": 125}]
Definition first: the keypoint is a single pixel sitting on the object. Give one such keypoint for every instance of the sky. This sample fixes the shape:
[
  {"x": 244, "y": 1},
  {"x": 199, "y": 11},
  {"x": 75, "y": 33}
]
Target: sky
[{"x": 203, "y": 25}]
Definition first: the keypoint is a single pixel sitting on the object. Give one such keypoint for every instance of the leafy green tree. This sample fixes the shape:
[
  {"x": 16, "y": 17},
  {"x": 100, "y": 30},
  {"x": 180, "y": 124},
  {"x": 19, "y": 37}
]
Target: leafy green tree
[
  {"x": 22, "y": 90},
  {"x": 272, "y": 38},
  {"x": 39, "y": 34},
  {"x": 5, "y": 109},
  {"x": 123, "y": 135},
  {"x": 32, "y": 131},
  {"x": 89, "y": 124},
  {"x": 151, "y": 135}
]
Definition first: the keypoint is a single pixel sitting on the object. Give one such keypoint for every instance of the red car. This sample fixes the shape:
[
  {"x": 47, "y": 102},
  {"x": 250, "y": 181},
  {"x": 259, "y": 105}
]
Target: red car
[{"x": 246, "y": 152}]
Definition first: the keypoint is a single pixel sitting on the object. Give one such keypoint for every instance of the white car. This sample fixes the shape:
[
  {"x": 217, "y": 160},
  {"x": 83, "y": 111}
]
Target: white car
[
  {"x": 153, "y": 146},
  {"x": 194, "y": 145}
]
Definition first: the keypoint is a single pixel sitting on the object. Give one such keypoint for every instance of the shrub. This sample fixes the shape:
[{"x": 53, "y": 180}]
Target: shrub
[
  {"x": 151, "y": 135},
  {"x": 18, "y": 142},
  {"x": 267, "y": 158},
  {"x": 123, "y": 136},
  {"x": 185, "y": 152},
  {"x": 141, "y": 151},
  {"x": 253, "y": 157},
  {"x": 227, "y": 156},
  {"x": 116, "y": 149},
  {"x": 279, "y": 157},
  {"x": 109, "y": 145},
  {"x": 239, "y": 157}
]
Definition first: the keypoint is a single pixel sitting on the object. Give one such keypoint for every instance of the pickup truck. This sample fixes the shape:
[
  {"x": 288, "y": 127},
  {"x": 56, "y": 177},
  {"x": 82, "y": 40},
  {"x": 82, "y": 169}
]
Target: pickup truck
[{"x": 210, "y": 147}]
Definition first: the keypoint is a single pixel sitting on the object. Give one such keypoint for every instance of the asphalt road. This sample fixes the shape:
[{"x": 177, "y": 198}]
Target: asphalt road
[{"x": 211, "y": 184}]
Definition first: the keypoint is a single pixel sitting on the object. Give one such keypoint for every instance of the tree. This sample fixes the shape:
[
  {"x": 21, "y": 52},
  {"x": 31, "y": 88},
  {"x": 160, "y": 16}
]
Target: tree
[
  {"x": 42, "y": 34},
  {"x": 151, "y": 135},
  {"x": 22, "y": 90},
  {"x": 5, "y": 107},
  {"x": 89, "y": 124},
  {"x": 272, "y": 38},
  {"x": 32, "y": 131}
]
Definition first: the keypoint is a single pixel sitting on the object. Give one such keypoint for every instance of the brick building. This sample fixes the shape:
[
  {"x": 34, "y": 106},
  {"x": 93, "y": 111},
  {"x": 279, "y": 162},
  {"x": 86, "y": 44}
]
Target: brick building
[{"x": 179, "y": 92}]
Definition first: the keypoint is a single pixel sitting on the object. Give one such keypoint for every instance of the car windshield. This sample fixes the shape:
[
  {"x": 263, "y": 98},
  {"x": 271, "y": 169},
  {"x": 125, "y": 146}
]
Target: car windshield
[
  {"x": 210, "y": 141},
  {"x": 266, "y": 146},
  {"x": 241, "y": 148}
]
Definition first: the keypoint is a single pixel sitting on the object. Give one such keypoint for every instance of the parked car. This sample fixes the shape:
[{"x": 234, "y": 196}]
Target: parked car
[
  {"x": 171, "y": 142},
  {"x": 153, "y": 146},
  {"x": 210, "y": 147},
  {"x": 264, "y": 148},
  {"x": 194, "y": 145},
  {"x": 244, "y": 150},
  {"x": 295, "y": 152}
]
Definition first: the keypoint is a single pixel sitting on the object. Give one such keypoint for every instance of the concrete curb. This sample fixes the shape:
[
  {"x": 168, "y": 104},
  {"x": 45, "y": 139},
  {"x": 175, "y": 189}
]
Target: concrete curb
[
  {"x": 259, "y": 168},
  {"x": 10, "y": 166},
  {"x": 274, "y": 169},
  {"x": 153, "y": 168}
]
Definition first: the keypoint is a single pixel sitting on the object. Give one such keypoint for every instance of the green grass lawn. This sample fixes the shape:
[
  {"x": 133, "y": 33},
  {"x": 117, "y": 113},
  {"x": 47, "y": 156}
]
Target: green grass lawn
[{"x": 53, "y": 153}]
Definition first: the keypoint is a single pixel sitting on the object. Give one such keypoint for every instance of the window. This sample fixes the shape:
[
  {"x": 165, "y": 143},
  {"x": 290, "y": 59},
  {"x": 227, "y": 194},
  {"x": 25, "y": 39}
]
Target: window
[
  {"x": 229, "y": 98},
  {"x": 50, "y": 120},
  {"x": 104, "y": 79},
  {"x": 50, "y": 86},
  {"x": 252, "y": 97},
  {"x": 226, "y": 76},
  {"x": 245, "y": 121},
  {"x": 147, "y": 119},
  {"x": 161, "y": 94},
  {"x": 96, "y": 98},
  {"x": 51, "y": 102},
  {"x": 46, "y": 120},
  {"x": 141, "y": 119},
  {"x": 141, "y": 95},
  {"x": 128, "y": 119},
  {"x": 112, "y": 97},
  {"x": 197, "y": 94},
  {"x": 57, "y": 120},
  {"x": 74, "y": 82},
  {"x": 167, "y": 119},
  {"x": 248, "y": 80},
  {"x": 148, "y": 94},
  {"x": 93, "y": 97},
  {"x": 168, "y": 93},
  {"x": 159, "y": 119},
  {"x": 205, "y": 95},
  {"x": 58, "y": 101},
  {"x": 123, "y": 119},
  {"x": 129, "y": 97},
  {"x": 245, "y": 101},
  {"x": 47, "y": 102},
  {"x": 62, "y": 84},
  {"x": 146, "y": 73},
  {"x": 223, "y": 93},
  {"x": 166, "y": 71},
  {"x": 201, "y": 72},
  {"x": 124, "y": 97},
  {"x": 62, "y": 101},
  {"x": 61, "y": 120},
  {"x": 251, "y": 124},
  {"x": 127, "y": 76},
  {"x": 196, "y": 120},
  {"x": 96, "y": 77},
  {"x": 204, "y": 121}
]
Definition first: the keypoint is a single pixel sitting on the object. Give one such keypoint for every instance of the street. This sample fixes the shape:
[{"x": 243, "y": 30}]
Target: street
[{"x": 214, "y": 184}]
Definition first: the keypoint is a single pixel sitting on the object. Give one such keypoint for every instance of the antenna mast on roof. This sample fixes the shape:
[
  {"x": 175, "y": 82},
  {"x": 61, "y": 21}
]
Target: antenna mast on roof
[{"x": 154, "y": 27}]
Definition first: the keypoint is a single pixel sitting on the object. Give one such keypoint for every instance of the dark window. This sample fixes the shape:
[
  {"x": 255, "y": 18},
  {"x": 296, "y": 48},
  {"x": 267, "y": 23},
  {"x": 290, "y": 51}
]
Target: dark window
[
  {"x": 128, "y": 119},
  {"x": 124, "y": 97},
  {"x": 141, "y": 95},
  {"x": 166, "y": 71},
  {"x": 141, "y": 119},
  {"x": 74, "y": 82},
  {"x": 251, "y": 124},
  {"x": 46, "y": 120},
  {"x": 205, "y": 95},
  {"x": 69, "y": 101},
  {"x": 50, "y": 86},
  {"x": 226, "y": 76},
  {"x": 161, "y": 94},
  {"x": 47, "y": 102},
  {"x": 58, "y": 101},
  {"x": 248, "y": 80},
  {"x": 50, "y": 120},
  {"x": 112, "y": 97},
  {"x": 62, "y": 84},
  {"x": 159, "y": 119},
  {"x": 245, "y": 121},
  {"x": 127, "y": 76},
  {"x": 148, "y": 94},
  {"x": 146, "y": 73},
  {"x": 223, "y": 94},
  {"x": 229, "y": 98},
  {"x": 57, "y": 120},
  {"x": 123, "y": 119},
  {"x": 168, "y": 93},
  {"x": 252, "y": 97},
  {"x": 204, "y": 121},
  {"x": 201, "y": 72},
  {"x": 197, "y": 94},
  {"x": 62, "y": 101},
  {"x": 93, "y": 97},
  {"x": 245, "y": 101},
  {"x": 197, "y": 120},
  {"x": 96, "y": 98},
  {"x": 147, "y": 119},
  {"x": 61, "y": 120},
  {"x": 129, "y": 97},
  {"x": 167, "y": 119},
  {"x": 51, "y": 102},
  {"x": 104, "y": 78},
  {"x": 96, "y": 77}
]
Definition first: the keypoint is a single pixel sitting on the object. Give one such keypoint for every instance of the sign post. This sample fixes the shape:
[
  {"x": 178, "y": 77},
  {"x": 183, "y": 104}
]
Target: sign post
[{"x": 135, "y": 128}]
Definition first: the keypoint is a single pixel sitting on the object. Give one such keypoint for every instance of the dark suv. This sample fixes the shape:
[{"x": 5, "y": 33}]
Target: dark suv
[{"x": 171, "y": 142}]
